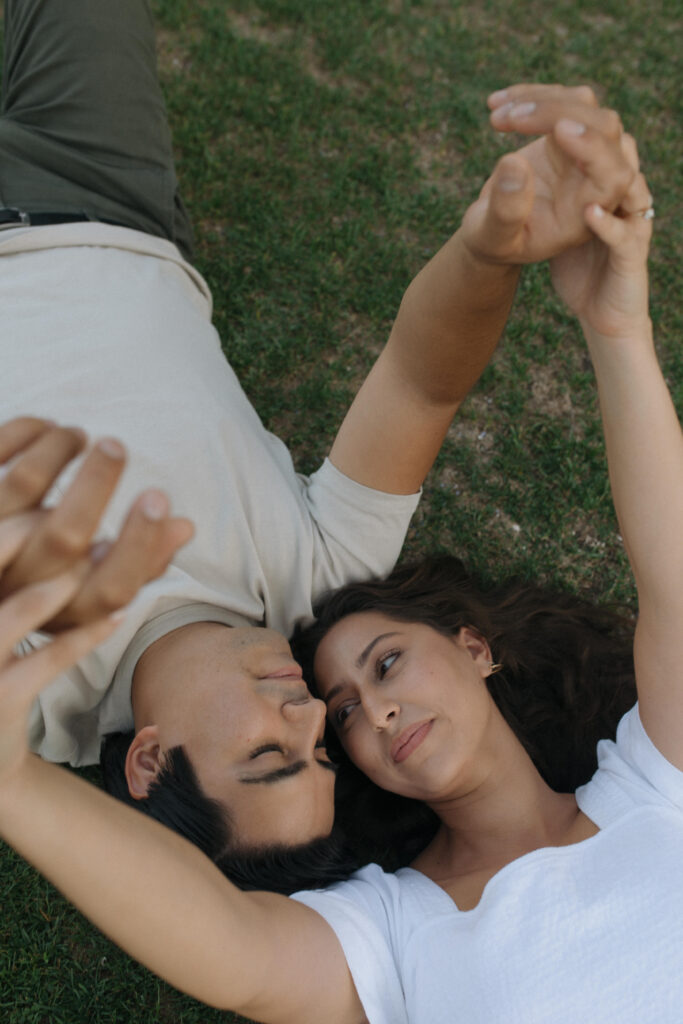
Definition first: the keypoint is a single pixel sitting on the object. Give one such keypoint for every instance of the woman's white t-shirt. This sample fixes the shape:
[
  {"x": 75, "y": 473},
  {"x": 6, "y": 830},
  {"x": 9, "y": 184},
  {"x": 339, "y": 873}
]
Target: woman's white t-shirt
[{"x": 585, "y": 934}]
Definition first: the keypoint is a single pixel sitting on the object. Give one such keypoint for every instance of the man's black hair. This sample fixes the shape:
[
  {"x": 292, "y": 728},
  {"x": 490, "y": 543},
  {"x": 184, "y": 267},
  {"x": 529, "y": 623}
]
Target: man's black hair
[{"x": 176, "y": 799}]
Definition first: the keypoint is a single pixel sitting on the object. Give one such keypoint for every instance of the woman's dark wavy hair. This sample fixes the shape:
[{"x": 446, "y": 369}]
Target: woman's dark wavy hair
[
  {"x": 567, "y": 679},
  {"x": 177, "y": 800}
]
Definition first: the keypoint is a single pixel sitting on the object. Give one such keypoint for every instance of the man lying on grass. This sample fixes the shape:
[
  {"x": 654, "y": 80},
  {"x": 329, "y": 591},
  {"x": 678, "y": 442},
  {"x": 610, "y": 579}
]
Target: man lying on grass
[{"x": 209, "y": 725}]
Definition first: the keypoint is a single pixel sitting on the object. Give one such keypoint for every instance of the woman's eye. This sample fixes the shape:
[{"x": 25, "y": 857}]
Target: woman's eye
[
  {"x": 385, "y": 663},
  {"x": 342, "y": 714}
]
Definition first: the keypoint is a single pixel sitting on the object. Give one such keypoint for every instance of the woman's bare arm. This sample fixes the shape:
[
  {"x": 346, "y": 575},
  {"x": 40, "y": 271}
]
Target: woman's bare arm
[
  {"x": 167, "y": 905},
  {"x": 644, "y": 450},
  {"x": 148, "y": 889}
]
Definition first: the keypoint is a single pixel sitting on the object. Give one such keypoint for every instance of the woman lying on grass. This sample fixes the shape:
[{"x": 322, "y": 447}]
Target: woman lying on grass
[
  {"x": 528, "y": 904},
  {"x": 541, "y": 890}
]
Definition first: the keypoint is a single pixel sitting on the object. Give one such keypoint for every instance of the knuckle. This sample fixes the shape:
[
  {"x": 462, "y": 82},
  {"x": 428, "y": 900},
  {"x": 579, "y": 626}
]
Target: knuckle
[
  {"x": 25, "y": 480},
  {"x": 66, "y": 542},
  {"x": 111, "y": 595},
  {"x": 25, "y": 608},
  {"x": 25, "y": 424},
  {"x": 586, "y": 94},
  {"x": 611, "y": 123}
]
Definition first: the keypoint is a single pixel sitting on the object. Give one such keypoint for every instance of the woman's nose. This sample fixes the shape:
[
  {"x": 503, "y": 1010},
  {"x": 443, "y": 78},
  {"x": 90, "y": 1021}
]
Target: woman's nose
[{"x": 380, "y": 711}]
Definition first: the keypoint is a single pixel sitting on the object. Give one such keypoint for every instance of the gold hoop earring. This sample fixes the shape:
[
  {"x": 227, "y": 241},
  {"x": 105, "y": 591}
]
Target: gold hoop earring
[{"x": 494, "y": 667}]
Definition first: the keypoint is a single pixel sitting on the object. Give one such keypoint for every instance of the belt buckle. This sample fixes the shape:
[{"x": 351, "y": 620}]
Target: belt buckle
[{"x": 12, "y": 217}]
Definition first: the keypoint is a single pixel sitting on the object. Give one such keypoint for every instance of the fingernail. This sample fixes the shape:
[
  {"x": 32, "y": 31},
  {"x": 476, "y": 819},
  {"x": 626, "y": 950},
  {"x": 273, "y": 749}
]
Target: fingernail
[
  {"x": 522, "y": 109},
  {"x": 117, "y": 617},
  {"x": 571, "y": 127},
  {"x": 111, "y": 447},
  {"x": 498, "y": 96},
  {"x": 500, "y": 113},
  {"x": 511, "y": 184},
  {"x": 100, "y": 550},
  {"x": 154, "y": 505},
  {"x": 598, "y": 210}
]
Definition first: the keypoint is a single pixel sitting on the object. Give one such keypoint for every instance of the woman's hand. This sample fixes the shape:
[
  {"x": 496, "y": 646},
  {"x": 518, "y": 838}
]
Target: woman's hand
[
  {"x": 37, "y": 452},
  {"x": 604, "y": 281},
  {"x": 532, "y": 206},
  {"x": 29, "y": 608}
]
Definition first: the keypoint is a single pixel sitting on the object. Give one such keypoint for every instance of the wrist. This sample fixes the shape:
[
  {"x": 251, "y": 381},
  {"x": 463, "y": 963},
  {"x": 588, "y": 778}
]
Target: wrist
[
  {"x": 635, "y": 334},
  {"x": 15, "y": 775},
  {"x": 485, "y": 279}
]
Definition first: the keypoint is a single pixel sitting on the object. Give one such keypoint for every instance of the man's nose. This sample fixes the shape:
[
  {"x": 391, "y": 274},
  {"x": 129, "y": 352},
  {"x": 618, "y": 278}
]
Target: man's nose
[{"x": 310, "y": 711}]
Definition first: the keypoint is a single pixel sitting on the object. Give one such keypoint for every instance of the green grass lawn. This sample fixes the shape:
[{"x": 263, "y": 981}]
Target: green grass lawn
[{"x": 325, "y": 150}]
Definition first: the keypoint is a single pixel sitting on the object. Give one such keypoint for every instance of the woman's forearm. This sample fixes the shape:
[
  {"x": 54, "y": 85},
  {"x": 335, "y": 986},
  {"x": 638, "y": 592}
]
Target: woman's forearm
[
  {"x": 645, "y": 457},
  {"x": 150, "y": 891}
]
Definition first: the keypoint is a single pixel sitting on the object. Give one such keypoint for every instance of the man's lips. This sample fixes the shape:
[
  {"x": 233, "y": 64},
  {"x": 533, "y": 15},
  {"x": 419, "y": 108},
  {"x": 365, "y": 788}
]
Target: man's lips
[{"x": 409, "y": 740}]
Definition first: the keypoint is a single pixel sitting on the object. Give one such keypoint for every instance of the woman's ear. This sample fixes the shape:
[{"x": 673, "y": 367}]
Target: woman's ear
[
  {"x": 144, "y": 761},
  {"x": 477, "y": 647}
]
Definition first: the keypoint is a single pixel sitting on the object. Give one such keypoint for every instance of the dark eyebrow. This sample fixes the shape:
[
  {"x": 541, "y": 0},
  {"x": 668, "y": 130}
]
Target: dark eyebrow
[
  {"x": 284, "y": 773},
  {"x": 364, "y": 655},
  {"x": 360, "y": 662}
]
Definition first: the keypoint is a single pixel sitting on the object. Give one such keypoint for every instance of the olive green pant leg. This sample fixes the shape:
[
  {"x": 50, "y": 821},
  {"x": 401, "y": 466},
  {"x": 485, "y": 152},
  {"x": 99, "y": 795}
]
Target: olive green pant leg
[{"x": 83, "y": 127}]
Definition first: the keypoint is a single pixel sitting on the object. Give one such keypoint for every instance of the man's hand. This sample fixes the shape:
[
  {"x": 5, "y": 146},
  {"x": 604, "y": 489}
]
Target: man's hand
[
  {"x": 532, "y": 207},
  {"x": 58, "y": 538}
]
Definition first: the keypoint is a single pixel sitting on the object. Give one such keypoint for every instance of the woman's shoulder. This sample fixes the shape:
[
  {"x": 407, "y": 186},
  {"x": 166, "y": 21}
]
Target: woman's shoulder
[{"x": 631, "y": 773}]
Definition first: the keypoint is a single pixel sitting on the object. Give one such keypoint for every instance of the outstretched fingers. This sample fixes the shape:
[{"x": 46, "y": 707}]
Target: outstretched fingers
[
  {"x": 534, "y": 110},
  {"x": 37, "y": 462},
  {"x": 534, "y": 92},
  {"x": 600, "y": 155},
  {"x": 23, "y": 678},
  {"x": 66, "y": 532},
  {"x": 14, "y": 533},
  {"x": 148, "y": 540},
  {"x": 16, "y": 434},
  {"x": 32, "y": 606}
]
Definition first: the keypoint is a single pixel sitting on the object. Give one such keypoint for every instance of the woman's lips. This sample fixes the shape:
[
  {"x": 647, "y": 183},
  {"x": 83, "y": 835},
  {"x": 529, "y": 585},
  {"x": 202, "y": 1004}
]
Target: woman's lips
[{"x": 409, "y": 740}]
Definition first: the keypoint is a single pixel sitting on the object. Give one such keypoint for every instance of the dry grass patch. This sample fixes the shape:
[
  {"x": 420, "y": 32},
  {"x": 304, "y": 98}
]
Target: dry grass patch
[
  {"x": 439, "y": 161},
  {"x": 173, "y": 51},
  {"x": 249, "y": 26}
]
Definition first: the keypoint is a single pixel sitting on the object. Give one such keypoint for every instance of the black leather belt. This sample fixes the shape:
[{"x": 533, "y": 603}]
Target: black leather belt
[{"x": 12, "y": 217}]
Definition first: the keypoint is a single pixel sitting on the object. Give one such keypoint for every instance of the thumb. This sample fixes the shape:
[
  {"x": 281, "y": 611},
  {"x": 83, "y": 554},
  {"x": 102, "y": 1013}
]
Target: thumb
[{"x": 497, "y": 219}]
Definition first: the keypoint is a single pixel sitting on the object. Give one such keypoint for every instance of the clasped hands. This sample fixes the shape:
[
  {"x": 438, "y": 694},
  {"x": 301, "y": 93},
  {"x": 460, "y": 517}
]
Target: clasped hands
[{"x": 532, "y": 206}]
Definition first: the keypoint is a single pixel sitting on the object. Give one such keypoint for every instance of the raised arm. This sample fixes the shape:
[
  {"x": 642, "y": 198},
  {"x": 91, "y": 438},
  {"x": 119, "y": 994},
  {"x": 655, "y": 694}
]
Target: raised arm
[
  {"x": 454, "y": 311},
  {"x": 167, "y": 905},
  {"x": 606, "y": 285},
  {"x": 144, "y": 886}
]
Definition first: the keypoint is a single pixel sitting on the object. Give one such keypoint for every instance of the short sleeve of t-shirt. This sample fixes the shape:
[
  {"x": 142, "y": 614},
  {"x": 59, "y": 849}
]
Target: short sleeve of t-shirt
[
  {"x": 631, "y": 773},
  {"x": 359, "y": 912},
  {"x": 359, "y": 530}
]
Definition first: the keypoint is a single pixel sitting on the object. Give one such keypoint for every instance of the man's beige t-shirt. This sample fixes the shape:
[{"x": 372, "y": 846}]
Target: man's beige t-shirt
[{"x": 109, "y": 329}]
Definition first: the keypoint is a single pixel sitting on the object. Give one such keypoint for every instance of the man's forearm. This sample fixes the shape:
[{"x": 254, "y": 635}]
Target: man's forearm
[
  {"x": 450, "y": 321},
  {"x": 447, "y": 328}
]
